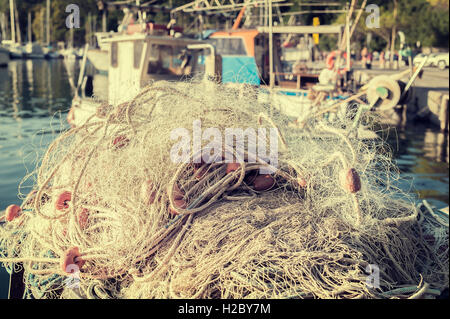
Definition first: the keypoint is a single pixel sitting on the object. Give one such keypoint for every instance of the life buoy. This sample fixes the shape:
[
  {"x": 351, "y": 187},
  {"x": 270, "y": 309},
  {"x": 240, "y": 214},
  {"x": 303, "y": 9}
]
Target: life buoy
[{"x": 331, "y": 58}]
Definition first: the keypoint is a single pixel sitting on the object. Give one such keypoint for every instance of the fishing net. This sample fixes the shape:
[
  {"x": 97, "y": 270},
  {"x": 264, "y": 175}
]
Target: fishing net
[{"x": 149, "y": 199}]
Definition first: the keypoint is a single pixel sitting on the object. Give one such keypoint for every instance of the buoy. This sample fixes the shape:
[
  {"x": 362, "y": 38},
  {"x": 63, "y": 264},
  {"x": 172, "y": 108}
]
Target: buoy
[
  {"x": 121, "y": 141},
  {"x": 231, "y": 167},
  {"x": 176, "y": 192},
  {"x": 63, "y": 200},
  {"x": 302, "y": 183},
  {"x": 200, "y": 172},
  {"x": 12, "y": 212},
  {"x": 72, "y": 256},
  {"x": 148, "y": 193},
  {"x": 263, "y": 182},
  {"x": 350, "y": 180},
  {"x": 178, "y": 203},
  {"x": 71, "y": 117},
  {"x": 83, "y": 217}
]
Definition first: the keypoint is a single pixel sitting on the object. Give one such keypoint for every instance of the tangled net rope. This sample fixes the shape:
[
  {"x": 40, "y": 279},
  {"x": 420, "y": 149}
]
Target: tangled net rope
[{"x": 113, "y": 213}]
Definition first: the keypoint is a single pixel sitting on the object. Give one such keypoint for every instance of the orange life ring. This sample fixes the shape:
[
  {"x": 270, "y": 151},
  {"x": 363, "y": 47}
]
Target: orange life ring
[{"x": 331, "y": 58}]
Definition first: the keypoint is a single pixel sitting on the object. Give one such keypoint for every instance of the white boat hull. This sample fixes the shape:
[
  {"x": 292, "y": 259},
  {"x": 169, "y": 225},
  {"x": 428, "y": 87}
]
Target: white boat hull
[{"x": 99, "y": 59}]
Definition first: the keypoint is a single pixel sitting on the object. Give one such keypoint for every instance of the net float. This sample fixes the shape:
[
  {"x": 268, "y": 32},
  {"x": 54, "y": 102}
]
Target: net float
[
  {"x": 121, "y": 141},
  {"x": 200, "y": 172},
  {"x": 231, "y": 167},
  {"x": 176, "y": 192},
  {"x": 302, "y": 183},
  {"x": 83, "y": 218},
  {"x": 71, "y": 260},
  {"x": 179, "y": 204},
  {"x": 250, "y": 177},
  {"x": 12, "y": 212},
  {"x": 63, "y": 200},
  {"x": 263, "y": 182},
  {"x": 148, "y": 192},
  {"x": 350, "y": 180}
]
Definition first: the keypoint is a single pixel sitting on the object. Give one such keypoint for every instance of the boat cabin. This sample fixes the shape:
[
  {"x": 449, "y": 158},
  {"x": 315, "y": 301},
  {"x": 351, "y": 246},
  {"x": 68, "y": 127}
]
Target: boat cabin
[{"x": 134, "y": 61}]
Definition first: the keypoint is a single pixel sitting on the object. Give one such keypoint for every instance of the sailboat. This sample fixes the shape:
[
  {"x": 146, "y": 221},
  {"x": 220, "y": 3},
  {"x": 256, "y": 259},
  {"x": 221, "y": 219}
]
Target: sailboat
[
  {"x": 15, "y": 49},
  {"x": 33, "y": 50},
  {"x": 49, "y": 51}
]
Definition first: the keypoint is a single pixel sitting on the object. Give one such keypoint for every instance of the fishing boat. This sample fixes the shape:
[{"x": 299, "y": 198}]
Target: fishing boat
[{"x": 152, "y": 58}]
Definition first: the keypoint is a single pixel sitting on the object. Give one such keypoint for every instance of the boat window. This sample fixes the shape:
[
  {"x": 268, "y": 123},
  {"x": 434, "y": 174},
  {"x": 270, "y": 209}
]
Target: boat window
[
  {"x": 138, "y": 46},
  {"x": 114, "y": 55},
  {"x": 229, "y": 46},
  {"x": 170, "y": 60}
]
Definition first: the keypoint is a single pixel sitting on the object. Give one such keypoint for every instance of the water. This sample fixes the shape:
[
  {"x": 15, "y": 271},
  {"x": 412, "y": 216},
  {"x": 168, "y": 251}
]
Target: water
[{"x": 31, "y": 92}]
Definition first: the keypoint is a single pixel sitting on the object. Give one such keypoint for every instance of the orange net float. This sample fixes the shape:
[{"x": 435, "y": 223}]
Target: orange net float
[
  {"x": 71, "y": 117},
  {"x": 263, "y": 183},
  {"x": 71, "y": 260},
  {"x": 83, "y": 218},
  {"x": 148, "y": 192},
  {"x": 178, "y": 204},
  {"x": 350, "y": 180},
  {"x": 12, "y": 212},
  {"x": 231, "y": 167},
  {"x": 63, "y": 200},
  {"x": 178, "y": 200},
  {"x": 120, "y": 141}
]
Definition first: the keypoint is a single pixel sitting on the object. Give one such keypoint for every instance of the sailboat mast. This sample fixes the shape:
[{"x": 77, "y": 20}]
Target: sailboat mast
[
  {"x": 19, "y": 33},
  {"x": 48, "y": 23},
  {"x": 29, "y": 36},
  {"x": 13, "y": 26}
]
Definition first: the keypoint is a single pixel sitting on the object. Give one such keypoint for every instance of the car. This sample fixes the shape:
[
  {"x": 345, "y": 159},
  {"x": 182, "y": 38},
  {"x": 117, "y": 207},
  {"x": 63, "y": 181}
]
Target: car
[
  {"x": 441, "y": 60},
  {"x": 421, "y": 56}
]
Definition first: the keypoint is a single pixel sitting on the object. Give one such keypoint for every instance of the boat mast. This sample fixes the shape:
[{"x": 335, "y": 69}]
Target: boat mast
[
  {"x": 13, "y": 26},
  {"x": 19, "y": 34},
  {"x": 48, "y": 23},
  {"x": 29, "y": 29},
  {"x": 272, "y": 84}
]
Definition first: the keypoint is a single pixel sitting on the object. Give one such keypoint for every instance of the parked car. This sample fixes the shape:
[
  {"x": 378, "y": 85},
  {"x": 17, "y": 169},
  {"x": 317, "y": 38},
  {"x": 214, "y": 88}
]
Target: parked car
[
  {"x": 441, "y": 60},
  {"x": 421, "y": 56}
]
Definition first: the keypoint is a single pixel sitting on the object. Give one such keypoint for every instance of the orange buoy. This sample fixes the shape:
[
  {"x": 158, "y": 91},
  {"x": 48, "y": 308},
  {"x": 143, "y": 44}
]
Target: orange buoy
[
  {"x": 176, "y": 192},
  {"x": 71, "y": 116},
  {"x": 63, "y": 200},
  {"x": 71, "y": 257},
  {"x": 350, "y": 180},
  {"x": 12, "y": 212},
  {"x": 83, "y": 217},
  {"x": 301, "y": 182},
  {"x": 231, "y": 167},
  {"x": 200, "y": 172},
  {"x": 121, "y": 141},
  {"x": 263, "y": 182},
  {"x": 148, "y": 193},
  {"x": 178, "y": 203}
]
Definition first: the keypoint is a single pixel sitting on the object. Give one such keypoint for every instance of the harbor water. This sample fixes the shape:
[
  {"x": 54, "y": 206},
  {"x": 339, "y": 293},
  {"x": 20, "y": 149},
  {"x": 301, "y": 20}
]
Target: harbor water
[{"x": 35, "y": 97}]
